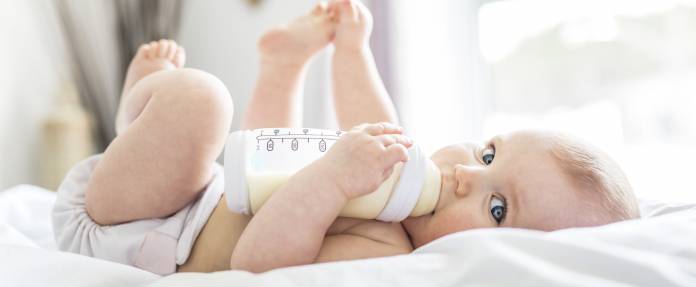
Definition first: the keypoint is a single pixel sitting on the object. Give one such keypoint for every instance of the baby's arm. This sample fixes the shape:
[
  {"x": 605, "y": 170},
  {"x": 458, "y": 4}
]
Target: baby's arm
[{"x": 290, "y": 228}]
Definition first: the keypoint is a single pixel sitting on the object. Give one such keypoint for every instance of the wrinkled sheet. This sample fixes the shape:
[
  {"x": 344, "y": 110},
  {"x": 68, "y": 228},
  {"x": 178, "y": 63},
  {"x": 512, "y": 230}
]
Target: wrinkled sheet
[{"x": 659, "y": 250}]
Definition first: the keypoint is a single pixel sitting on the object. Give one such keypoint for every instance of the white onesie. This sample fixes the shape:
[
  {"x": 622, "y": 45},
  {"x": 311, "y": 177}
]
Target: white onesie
[{"x": 155, "y": 245}]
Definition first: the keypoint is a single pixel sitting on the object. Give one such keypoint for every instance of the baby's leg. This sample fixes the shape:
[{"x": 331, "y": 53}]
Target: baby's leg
[
  {"x": 359, "y": 94},
  {"x": 172, "y": 124},
  {"x": 285, "y": 52}
]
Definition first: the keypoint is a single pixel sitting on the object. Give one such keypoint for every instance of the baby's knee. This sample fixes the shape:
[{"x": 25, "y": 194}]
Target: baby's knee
[
  {"x": 205, "y": 88},
  {"x": 194, "y": 96}
]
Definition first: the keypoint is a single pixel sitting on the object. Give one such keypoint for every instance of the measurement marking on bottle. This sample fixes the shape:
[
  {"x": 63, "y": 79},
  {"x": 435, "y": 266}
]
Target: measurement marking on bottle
[
  {"x": 294, "y": 144},
  {"x": 294, "y": 139},
  {"x": 298, "y": 136}
]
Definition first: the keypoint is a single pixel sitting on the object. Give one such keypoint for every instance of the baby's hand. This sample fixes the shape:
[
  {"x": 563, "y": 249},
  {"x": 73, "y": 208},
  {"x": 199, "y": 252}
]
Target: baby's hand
[
  {"x": 362, "y": 159},
  {"x": 354, "y": 23}
]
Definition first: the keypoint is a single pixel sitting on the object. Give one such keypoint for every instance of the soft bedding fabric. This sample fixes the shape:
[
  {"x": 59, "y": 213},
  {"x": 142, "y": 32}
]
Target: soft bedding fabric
[
  {"x": 30, "y": 266},
  {"x": 655, "y": 251},
  {"x": 658, "y": 251},
  {"x": 26, "y": 208}
]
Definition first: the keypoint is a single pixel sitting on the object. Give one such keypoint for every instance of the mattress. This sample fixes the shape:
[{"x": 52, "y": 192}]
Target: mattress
[{"x": 656, "y": 250}]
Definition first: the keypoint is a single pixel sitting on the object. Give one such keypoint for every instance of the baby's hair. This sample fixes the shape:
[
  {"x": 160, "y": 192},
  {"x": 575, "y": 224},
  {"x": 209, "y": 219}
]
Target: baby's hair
[{"x": 595, "y": 172}]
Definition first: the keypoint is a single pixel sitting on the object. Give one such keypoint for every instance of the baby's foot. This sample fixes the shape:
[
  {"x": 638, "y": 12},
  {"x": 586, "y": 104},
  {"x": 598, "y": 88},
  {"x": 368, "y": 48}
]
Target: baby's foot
[
  {"x": 299, "y": 40},
  {"x": 150, "y": 58},
  {"x": 153, "y": 57},
  {"x": 354, "y": 24}
]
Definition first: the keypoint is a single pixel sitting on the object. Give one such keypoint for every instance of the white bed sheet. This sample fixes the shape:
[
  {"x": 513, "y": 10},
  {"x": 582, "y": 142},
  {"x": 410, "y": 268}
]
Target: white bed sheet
[
  {"x": 655, "y": 251},
  {"x": 27, "y": 210}
]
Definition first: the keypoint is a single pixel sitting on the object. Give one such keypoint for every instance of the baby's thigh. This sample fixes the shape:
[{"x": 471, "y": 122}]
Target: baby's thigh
[{"x": 166, "y": 156}]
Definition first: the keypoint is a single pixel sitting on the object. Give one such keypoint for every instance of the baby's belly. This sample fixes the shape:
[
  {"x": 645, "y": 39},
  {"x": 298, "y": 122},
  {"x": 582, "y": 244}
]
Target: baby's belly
[{"x": 214, "y": 245}]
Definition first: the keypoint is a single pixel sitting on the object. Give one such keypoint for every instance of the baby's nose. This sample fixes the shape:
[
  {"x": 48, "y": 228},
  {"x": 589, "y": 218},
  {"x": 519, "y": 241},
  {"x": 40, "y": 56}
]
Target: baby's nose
[{"x": 467, "y": 178}]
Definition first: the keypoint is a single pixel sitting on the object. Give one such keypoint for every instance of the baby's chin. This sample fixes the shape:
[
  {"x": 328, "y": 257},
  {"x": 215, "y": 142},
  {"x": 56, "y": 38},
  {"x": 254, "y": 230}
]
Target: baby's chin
[{"x": 416, "y": 228}]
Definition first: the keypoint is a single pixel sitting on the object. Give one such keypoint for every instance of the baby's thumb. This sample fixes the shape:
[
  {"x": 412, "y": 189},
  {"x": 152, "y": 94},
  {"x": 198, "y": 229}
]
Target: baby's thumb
[{"x": 395, "y": 153}]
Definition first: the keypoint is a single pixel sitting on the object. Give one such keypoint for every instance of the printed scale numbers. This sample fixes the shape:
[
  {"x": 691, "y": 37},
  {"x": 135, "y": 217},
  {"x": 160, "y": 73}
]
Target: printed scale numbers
[{"x": 294, "y": 138}]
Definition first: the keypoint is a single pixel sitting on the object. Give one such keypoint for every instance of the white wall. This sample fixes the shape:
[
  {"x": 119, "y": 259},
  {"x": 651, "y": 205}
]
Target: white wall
[
  {"x": 31, "y": 70},
  {"x": 220, "y": 37}
]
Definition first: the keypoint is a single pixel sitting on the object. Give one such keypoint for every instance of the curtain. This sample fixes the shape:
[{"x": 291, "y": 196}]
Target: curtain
[
  {"x": 381, "y": 41},
  {"x": 101, "y": 37},
  {"x": 31, "y": 75},
  {"x": 144, "y": 21}
]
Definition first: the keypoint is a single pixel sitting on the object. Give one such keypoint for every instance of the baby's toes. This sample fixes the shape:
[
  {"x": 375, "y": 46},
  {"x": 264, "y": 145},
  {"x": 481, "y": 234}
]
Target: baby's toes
[
  {"x": 143, "y": 51},
  {"x": 153, "y": 51},
  {"x": 179, "y": 57},
  {"x": 347, "y": 11},
  {"x": 171, "y": 49},
  {"x": 163, "y": 48},
  {"x": 363, "y": 14},
  {"x": 320, "y": 9}
]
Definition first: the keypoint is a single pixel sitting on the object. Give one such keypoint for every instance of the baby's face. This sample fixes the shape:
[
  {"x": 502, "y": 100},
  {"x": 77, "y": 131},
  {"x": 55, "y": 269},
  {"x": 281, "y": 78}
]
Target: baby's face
[{"x": 511, "y": 181}]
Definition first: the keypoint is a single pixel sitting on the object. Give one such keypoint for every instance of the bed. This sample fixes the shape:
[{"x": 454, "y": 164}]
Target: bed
[{"x": 657, "y": 250}]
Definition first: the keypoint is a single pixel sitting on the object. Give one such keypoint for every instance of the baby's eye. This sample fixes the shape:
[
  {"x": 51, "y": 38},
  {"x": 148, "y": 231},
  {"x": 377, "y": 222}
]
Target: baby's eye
[
  {"x": 498, "y": 209},
  {"x": 488, "y": 155}
]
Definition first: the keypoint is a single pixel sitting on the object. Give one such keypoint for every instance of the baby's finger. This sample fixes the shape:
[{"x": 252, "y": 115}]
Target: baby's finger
[
  {"x": 395, "y": 153},
  {"x": 360, "y": 127},
  {"x": 382, "y": 128},
  {"x": 390, "y": 139}
]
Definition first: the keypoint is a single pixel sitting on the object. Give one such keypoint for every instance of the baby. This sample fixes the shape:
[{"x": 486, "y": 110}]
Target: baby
[{"x": 154, "y": 199}]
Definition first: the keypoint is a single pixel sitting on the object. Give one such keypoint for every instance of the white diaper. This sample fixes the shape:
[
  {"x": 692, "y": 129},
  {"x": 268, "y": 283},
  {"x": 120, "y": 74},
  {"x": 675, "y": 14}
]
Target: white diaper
[{"x": 156, "y": 245}]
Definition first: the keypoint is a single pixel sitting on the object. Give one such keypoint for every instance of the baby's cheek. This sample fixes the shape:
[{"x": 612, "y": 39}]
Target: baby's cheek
[{"x": 458, "y": 220}]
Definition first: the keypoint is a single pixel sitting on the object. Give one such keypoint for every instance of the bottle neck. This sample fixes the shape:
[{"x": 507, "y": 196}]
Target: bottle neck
[{"x": 430, "y": 192}]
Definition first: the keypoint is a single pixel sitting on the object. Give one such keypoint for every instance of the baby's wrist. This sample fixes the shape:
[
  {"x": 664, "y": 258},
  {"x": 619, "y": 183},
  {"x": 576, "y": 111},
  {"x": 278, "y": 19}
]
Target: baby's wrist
[{"x": 325, "y": 178}]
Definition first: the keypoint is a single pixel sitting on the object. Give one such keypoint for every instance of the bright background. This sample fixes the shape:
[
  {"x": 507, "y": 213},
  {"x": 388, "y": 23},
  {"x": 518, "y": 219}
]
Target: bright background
[
  {"x": 622, "y": 74},
  {"x": 619, "y": 73}
]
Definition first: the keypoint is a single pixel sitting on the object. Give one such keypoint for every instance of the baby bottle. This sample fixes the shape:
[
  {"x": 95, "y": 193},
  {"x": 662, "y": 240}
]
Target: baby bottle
[{"x": 258, "y": 162}]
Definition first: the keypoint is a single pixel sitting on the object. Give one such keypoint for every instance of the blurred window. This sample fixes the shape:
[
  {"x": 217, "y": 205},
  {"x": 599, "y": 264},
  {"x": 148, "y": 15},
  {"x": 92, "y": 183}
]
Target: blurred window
[{"x": 620, "y": 73}]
